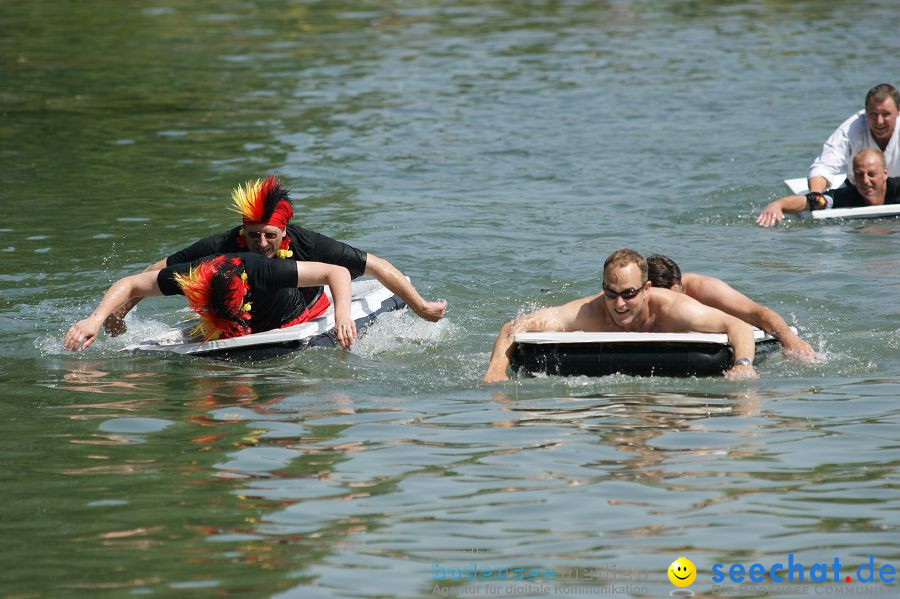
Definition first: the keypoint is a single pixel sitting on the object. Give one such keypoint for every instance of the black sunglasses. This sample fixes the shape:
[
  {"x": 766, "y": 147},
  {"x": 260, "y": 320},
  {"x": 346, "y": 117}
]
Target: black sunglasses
[
  {"x": 261, "y": 234},
  {"x": 626, "y": 294}
]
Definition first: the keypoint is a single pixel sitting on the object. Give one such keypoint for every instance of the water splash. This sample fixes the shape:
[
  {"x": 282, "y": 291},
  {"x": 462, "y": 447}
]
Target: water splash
[{"x": 403, "y": 331}]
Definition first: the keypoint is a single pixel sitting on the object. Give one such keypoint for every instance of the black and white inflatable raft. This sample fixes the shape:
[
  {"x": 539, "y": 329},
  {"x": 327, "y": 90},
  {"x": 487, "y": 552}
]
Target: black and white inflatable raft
[
  {"x": 370, "y": 300},
  {"x": 635, "y": 354}
]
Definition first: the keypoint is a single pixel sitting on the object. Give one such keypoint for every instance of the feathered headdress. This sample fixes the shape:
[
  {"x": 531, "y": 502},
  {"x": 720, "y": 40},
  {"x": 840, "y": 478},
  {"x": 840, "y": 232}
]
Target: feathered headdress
[
  {"x": 263, "y": 202},
  {"x": 217, "y": 291}
]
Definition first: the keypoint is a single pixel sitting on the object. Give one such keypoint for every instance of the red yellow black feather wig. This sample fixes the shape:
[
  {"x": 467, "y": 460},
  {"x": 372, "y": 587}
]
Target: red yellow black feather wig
[
  {"x": 263, "y": 202},
  {"x": 217, "y": 291}
]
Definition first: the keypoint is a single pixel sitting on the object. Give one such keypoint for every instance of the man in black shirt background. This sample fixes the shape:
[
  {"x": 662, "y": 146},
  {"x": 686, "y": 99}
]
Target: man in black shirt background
[{"x": 871, "y": 187}]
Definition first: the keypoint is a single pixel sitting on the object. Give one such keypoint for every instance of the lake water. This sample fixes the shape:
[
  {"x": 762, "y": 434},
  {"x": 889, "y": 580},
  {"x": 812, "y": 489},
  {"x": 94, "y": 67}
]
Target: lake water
[{"x": 496, "y": 152}]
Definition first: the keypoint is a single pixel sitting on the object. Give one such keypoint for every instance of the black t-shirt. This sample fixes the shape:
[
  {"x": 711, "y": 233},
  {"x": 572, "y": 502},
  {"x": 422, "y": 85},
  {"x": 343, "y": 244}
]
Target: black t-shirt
[
  {"x": 308, "y": 246},
  {"x": 273, "y": 288},
  {"x": 848, "y": 196}
]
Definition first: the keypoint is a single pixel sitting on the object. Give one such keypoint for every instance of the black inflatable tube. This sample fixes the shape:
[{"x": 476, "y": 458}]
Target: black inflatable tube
[
  {"x": 269, "y": 351},
  {"x": 633, "y": 359}
]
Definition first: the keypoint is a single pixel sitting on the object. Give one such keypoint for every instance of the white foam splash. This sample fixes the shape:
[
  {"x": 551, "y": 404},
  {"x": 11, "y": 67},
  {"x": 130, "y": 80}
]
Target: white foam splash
[
  {"x": 402, "y": 330},
  {"x": 138, "y": 330}
]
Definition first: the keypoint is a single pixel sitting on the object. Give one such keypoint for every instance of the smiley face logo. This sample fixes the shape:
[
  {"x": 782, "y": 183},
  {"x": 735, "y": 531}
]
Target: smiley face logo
[{"x": 682, "y": 572}]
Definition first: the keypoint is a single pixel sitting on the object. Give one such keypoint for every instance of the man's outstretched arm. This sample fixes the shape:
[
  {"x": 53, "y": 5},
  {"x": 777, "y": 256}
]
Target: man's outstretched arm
[
  {"x": 501, "y": 355},
  {"x": 719, "y": 294},
  {"x": 83, "y": 333},
  {"x": 773, "y": 213},
  {"x": 391, "y": 277},
  {"x": 575, "y": 315},
  {"x": 688, "y": 314},
  {"x": 114, "y": 325}
]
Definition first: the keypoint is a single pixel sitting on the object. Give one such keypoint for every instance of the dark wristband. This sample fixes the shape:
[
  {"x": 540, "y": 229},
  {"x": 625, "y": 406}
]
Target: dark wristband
[{"x": 816, "y": 200}]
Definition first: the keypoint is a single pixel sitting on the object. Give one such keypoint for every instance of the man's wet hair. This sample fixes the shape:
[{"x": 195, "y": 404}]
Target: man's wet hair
[
  {"x": 624, "y": 257},
  {"x": 663, "y": 272},
  {"x": 882, "y": 92}
]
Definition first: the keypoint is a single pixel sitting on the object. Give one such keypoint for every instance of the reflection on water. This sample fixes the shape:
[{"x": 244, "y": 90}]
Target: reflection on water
[
  {"x": 85, "y": 379},
  {"x": 257, "y": 482}
]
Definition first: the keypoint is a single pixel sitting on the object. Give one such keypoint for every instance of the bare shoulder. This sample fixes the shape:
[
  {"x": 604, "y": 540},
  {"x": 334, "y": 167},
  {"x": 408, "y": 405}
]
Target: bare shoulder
[
  {"x": 554, "y": 318},
  {"x": 664, "y": 298},
  {"x": 695, "y": 284},
  {"x": 719, "y": 294},
  {"x": 668, "y": 303},
  {"x": 585, "y": 314},
  {"x": 582, "y": 314},
  {"x": 710, "y": 290}
]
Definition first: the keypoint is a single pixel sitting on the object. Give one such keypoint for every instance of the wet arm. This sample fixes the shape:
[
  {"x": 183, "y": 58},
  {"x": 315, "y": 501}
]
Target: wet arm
[
  {"x": 311, "y": 274},
  {"x": 740, "y": 336},
  {"x": 774, "y": 211},
  {"x": 772, "y": 323},
  {"x": 689, "y": 315},
  {"x": 550, "y": 319},
  {"x": 83, "y": 333},
  {"x": 391, "y": 277},
  {"x": 722, "y": 296},
  {"x": 114, "y": 325}
]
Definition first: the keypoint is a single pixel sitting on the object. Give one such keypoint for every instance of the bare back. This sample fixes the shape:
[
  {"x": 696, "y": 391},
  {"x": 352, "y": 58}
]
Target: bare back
[{"x": 720, "y": 295}]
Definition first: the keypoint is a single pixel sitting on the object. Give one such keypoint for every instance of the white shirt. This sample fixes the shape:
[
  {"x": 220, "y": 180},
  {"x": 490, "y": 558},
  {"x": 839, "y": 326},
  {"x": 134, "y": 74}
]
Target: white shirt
[{"x": 852, "y": 136}]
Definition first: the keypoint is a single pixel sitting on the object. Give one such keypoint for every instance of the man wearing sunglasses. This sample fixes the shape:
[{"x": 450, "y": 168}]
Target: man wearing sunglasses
[
  {"x": 629, "y": 303},
  {"x": 266, "y": 211},
  {"x": 664, "y": 273}
]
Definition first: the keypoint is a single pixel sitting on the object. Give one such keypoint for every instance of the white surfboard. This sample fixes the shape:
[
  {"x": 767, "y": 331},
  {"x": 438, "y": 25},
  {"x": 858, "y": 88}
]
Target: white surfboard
[
  {"x": 800, "y": 186},
  {"x": 370, "y": 299},
  {"x": 648, "y": 338},
  {"x": 861, "y": 212}
]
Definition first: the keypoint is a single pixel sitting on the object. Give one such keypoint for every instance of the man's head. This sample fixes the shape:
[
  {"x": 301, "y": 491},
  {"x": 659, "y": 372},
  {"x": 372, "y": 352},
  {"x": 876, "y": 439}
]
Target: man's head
[
  {"x": 625, "y": 286},
  {"x": 664, "y": 273},
  {"x": 870, "y": 175},
  {"x": 882, "y": 103},
  {"x": 217, "y": 291},
  {"x": 266, "y": 210}
]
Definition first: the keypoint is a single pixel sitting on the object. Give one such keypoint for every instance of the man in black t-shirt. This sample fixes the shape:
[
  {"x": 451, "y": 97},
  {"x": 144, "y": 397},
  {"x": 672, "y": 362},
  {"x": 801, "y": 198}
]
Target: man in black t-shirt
[
  {"x": 232, "y": 294},
  {"x": 266, "y": 210},
  {"x": 872, "y": 187}
]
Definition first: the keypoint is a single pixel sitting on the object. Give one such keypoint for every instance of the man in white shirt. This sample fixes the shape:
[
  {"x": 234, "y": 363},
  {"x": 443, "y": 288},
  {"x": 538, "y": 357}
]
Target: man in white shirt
[{"x": 874, "y": 127}]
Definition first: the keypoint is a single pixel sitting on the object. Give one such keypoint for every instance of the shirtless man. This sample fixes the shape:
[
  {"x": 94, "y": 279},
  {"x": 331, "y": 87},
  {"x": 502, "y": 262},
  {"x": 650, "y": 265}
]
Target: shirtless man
[
  {"x": 629, "y": 303},
  {"x": 664, "y": 273}
]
